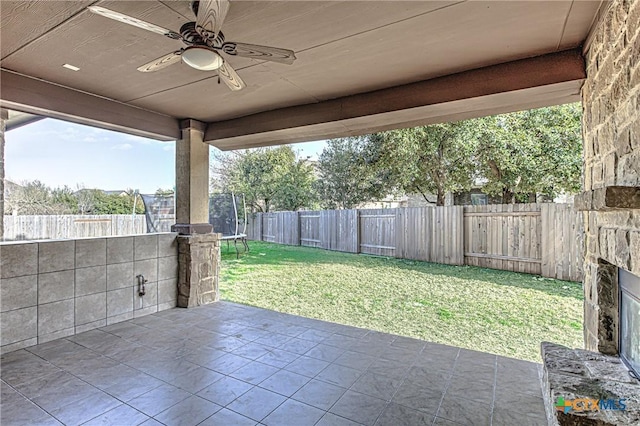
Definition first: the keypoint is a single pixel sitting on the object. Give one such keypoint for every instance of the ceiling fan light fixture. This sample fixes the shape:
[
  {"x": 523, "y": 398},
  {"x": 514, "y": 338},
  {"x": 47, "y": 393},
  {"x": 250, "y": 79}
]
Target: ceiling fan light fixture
[{"x": 202, "y": 58}]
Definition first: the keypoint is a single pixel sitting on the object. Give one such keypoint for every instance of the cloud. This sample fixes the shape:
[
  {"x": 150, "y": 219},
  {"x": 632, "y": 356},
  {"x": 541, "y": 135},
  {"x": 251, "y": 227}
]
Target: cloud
[
  {"x": 169, "y": 148},
  {"x": 123, "y": 146},
  {"x": 141, "y": 140}
]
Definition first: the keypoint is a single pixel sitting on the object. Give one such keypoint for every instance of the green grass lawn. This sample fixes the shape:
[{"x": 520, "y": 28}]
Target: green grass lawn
[{"x": 483, "y": 309}]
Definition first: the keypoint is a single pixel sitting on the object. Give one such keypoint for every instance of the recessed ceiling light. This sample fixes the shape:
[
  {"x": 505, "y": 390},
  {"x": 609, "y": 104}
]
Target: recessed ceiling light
[{"x": 71, "y": 67}]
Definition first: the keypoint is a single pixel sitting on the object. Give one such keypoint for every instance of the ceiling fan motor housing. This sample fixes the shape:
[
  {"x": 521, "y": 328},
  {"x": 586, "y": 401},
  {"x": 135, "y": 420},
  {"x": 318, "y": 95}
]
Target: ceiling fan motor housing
[{"x": 191, "y": 36}]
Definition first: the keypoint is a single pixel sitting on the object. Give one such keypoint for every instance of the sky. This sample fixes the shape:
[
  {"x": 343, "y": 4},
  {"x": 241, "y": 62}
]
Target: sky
[{"x": 60, "y": 153}]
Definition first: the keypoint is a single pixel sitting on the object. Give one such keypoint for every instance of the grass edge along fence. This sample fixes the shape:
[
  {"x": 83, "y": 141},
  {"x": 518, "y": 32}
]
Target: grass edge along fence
[{"x": 543, "y": 238}]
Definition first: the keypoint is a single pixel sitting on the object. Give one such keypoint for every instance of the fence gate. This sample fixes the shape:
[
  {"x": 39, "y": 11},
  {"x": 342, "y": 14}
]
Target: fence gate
[
  {"x": 378, "y": 232},
  {"x": 504, "y": 236}
]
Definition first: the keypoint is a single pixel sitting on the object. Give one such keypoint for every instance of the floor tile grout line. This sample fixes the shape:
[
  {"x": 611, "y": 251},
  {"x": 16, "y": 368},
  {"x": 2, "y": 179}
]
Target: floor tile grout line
[
  {"x": 32, "y": 402},
  {"x": 493, "y": 395},
  {"x": 446, "y": 386},
  {"x": 122, "y": 363},
  {"x": 79, "y": 400}
]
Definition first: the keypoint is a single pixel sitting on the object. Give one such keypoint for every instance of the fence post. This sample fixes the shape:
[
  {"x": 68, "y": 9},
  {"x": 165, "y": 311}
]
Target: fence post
[
  {"x": 299, "y": 228},
  {"x": 400, "y": 232},
  {"x": 358, "y": 231}
]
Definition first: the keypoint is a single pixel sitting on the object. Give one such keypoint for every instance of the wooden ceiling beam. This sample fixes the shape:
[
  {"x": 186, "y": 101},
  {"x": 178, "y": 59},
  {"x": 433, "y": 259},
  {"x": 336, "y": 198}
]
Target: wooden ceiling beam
[
  {"x": 35, "y": 96},
  {"x": 415, "y": 103}
]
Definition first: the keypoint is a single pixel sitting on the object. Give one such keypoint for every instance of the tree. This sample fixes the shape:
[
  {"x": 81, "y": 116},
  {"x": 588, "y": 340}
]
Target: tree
[
  {"x": 429, "y": 159},
  {"x": 30, "y": 198},
  {"x": 296, "y": 187},
  {"x": 64, "y": 197},
  {"x": 529, "y": 152},
  {"x": 347, "y": 173},
  {"x": 115, "y": 204},
  {"x": 87, "y": 199},
  {"x": 268, "y": 177}
]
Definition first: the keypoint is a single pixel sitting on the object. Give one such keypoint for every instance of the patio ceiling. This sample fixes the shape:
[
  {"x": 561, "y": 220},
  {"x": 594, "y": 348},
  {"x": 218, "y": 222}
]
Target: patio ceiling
[{"x": 362, "y": 65}]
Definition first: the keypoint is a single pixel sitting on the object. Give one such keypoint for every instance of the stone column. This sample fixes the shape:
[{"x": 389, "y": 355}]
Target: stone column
[
  {"x": 198, "y": 246},
  {"x": 199, "y": 268},
  {"x": 192, "y": 180},
  {"x": 4, "y": 115},
  {"x": 611, "y": 169}
]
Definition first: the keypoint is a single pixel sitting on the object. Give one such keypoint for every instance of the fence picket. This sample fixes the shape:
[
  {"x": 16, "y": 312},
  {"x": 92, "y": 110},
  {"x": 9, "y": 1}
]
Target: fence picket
[{"x": 44, "y": 227}]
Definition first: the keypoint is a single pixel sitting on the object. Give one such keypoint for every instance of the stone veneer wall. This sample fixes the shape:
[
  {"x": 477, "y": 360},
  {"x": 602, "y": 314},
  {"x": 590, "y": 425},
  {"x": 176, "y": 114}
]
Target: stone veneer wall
[
  {"x": 611, "y": 129},
  {"x": 52, "y": 289}
]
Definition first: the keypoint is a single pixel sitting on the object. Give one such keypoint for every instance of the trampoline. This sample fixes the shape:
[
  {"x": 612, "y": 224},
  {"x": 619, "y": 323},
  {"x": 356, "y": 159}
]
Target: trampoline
[{"x": 228, "y": 215}]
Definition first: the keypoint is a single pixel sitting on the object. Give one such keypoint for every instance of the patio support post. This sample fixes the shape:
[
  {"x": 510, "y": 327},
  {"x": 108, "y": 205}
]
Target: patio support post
[
  {"x": 192, "y": 180},
  {"x": 198, "y": 246},
  {"x": 4, "y": 116}
]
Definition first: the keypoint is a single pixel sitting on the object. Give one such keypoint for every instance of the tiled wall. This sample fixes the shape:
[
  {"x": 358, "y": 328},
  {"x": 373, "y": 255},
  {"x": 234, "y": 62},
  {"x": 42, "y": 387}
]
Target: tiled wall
[{"x": 52, "y": 289}]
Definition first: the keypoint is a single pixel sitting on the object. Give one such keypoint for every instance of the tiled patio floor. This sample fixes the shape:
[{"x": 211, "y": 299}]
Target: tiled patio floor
[{"x": 228, "y": 364}]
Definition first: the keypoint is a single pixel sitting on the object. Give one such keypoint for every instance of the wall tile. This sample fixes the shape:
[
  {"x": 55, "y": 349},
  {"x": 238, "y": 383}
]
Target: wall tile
[
  {"x": 55, "y": 286},
  {"x": 167, "y": 244},
  {"x": 165, "y": 306},
  {"x": 18, "y": 259},
  {"x": 18, "y": 325},
  {"x": 168, "y": 291},
  {"x": 55, "y": 316},
  {"x": 91, "y": 252},
  {"x": 150, "y": 298},
  {"x": 167, "y": 267},
  {"x": 44, "y": 338},
  {"x": 148, "y": 268},
  {"x": 120, "y": 275},
  {"x": 91, "y": 280},
  {"x": 18, "y": 345},
  {"x": 119, "y": 250},
  {"x": 91, "y": 308},
  {"x": 82, "y": 284},
  {"x": 18, "y": 292},
  {"x": 119, "y": 318},
  {"x": 145, "y": 247},
  {"x": 146, "y": 311},
  {"x": 56, "y": 256},
  {"x": 120, "y": 301},
  {"x": 90, "y": 326}
]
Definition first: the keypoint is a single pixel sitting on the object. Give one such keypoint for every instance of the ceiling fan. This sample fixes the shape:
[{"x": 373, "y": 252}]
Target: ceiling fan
[{"x": 204, "y": 42}]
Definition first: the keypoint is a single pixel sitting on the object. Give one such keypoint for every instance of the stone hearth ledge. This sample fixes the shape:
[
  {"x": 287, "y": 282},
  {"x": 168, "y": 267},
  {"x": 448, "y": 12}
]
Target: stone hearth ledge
[
  {"x": 578, "y": 373},
  {"x": 608, "y": 198}
]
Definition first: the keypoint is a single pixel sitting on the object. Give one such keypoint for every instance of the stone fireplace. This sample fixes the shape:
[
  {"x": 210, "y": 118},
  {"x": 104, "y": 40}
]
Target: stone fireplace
[
  {"x": 611, "y": 206},
  {"x": 611, "y": 172}
]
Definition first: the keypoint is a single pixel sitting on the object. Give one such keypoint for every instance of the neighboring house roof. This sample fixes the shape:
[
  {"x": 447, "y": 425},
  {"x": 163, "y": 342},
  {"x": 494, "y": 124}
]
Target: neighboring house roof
[
  {"x": 10, "y": 184},
  {"x": 120, "y": 192}
]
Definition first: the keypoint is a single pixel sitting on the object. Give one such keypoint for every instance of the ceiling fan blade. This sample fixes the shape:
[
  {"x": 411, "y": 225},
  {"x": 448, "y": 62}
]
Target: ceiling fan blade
[
  {"x": 134, "y": 21},
  {"x": 211, "y": 14},
  {"x": 265, "y": 53},
  {"x": 161, "y": 62},
  {"x": 230, "y": 77}
]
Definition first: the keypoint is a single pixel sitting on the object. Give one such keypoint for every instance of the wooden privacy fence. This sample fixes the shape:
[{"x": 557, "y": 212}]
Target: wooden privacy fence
[
  {"x": 543, "y": 239},
  {"x": 72, "y": 226}
]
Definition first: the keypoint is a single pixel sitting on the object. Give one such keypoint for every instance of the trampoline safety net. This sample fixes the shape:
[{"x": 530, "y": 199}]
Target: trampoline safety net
[
  {"x": 226, "y": 213},
  {"x": 159, "y": 211}
]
